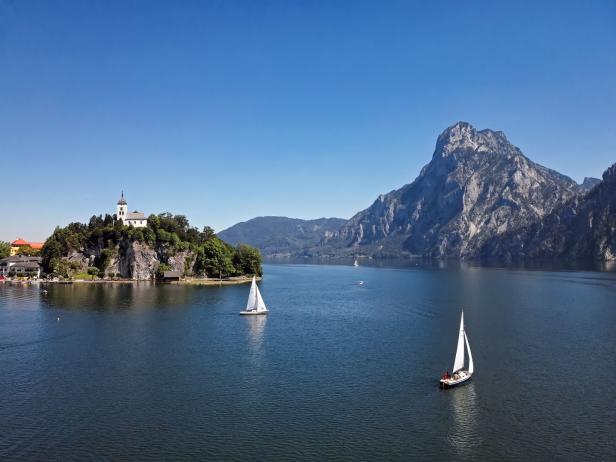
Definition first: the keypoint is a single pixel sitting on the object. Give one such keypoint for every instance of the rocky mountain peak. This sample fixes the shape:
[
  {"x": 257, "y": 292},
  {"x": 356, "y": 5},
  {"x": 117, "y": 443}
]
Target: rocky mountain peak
[
  {"x": 477, "y": 185},
  {"x": 462, "y": 137},
  {"x": 609, "y": 176}
]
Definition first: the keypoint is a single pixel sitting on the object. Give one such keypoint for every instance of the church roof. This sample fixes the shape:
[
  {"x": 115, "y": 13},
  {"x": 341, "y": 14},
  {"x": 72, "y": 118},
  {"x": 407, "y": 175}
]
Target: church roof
[
  {"x": 122, "y": 201},
  {"x": 135, "y": 215}
]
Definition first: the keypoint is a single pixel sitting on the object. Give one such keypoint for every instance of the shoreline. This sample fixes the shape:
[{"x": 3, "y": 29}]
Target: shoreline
[{"x": 188, "y": 281}]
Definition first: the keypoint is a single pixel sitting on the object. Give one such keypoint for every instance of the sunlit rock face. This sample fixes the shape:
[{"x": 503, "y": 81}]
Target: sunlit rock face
[
  {"x": 476, "y": 187},
  {"x": 583, "y": 227}
]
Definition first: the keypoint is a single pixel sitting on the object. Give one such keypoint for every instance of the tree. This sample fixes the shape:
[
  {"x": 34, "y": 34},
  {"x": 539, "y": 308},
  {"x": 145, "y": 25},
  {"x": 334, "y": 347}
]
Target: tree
[
  {"x": 247, "y": 260},
  {"x": 5, "y": 249},
  {"x": 28, "y": 251},
  {"x": 93, "y": 271},
  {"x": 215, "y": 259}
]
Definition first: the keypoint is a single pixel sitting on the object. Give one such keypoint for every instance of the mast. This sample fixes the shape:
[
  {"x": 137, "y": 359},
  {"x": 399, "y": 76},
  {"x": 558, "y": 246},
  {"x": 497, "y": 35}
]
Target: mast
[{"x": 458, "y": 362}]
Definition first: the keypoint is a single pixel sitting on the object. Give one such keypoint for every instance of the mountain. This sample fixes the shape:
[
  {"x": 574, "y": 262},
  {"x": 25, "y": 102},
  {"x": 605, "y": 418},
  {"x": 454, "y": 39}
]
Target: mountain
[
  {"x": 477, "y": 186},
  {"x": 583, "y": 227},
  {"x": 589, "y": 183},
  {"x": 281, "y": 236}
]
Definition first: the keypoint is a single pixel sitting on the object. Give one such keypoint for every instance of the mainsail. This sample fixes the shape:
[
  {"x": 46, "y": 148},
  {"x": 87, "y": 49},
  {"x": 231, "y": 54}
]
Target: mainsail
[
  {"x": 255, "y": 301},
  {"x": 458, "y": 363}
]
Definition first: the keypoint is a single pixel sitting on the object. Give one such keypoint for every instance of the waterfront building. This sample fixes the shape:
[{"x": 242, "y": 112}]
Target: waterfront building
[
  {"x": 19, "y": 244},
  {"x": 21, "y": 265},
  {"x": 136, "y": 219}
]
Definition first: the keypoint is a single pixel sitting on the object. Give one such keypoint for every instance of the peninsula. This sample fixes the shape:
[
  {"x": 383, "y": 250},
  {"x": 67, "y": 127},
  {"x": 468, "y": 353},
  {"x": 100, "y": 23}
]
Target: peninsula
[{"x": 161, "y": 246}]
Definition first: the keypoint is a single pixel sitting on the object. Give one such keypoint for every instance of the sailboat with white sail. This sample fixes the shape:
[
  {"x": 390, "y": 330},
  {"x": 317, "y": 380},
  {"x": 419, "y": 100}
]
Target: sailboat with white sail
[
  {"x": 459, "y": 374},
  {"x": 356, "y": 263},
  {"x": 255, "y": 304}
]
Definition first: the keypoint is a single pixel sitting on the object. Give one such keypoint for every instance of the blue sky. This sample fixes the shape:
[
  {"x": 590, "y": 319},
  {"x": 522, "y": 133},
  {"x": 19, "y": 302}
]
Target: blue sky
[{"x": 227, "y": 110}]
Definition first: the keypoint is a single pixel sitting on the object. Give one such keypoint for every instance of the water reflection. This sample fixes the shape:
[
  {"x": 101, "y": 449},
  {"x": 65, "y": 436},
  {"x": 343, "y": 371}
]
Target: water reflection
[
  {"x": 464, "y": 436},
  {"x": 256, "y": 351},
  {"x": 426, "y": 263},
  {"x": 116, "y": 297}
]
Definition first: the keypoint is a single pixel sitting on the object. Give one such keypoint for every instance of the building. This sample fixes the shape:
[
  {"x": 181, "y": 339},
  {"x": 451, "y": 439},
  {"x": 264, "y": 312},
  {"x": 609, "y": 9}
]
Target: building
[
  {"x": 135, "y": 219},
  {"x": 171, "y": 276},
  {"x": 21, "y": 265},
  {"x": 19, "y": 244}
]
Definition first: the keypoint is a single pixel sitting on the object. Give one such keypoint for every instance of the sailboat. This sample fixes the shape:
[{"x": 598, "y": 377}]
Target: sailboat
[
  {"x": 460, "y": 375},
  {"x": 356, "y": 263},
  {"x": 255, "y": 304}
]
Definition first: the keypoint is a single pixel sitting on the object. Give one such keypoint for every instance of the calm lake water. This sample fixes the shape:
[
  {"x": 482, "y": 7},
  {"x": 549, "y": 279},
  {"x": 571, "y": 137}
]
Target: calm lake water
[{"x": 337, "y": 371}]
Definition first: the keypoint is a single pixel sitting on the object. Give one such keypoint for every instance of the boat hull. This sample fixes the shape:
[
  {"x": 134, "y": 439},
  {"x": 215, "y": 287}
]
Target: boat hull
[
  {"x": 252, "y": 313},
  {"x": 454, "y": 382}
]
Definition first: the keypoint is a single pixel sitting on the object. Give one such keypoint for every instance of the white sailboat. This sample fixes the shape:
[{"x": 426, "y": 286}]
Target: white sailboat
[
  {"x": 255, "y": 304},
  {"x": 459, "y": 374},
  {"x": 356, "y": 263}
]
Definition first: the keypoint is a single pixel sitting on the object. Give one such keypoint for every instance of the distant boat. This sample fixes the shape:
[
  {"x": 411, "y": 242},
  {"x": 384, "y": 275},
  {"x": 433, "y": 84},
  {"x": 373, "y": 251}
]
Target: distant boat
[
  {"x": 255, "y": 304},
  {"x": 355, "y": 263},
  {"x": 361, "y": 283},
  {"x": 459, "y": 375}
]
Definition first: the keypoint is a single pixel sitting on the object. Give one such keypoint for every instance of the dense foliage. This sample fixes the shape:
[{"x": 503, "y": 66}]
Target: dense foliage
[
  {"x": 5, "y": 249},
  {"x": 167, "y": 234}
]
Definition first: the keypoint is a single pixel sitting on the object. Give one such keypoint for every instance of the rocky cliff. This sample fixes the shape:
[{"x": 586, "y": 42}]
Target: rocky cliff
[
  {"x": 476, "y": 187},
  {"x": 583, "y": 227},
  {"x": 133, "y": 260}
]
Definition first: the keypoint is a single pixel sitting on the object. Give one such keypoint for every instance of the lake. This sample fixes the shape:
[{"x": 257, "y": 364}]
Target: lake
[{"x": 336, "y": 371}]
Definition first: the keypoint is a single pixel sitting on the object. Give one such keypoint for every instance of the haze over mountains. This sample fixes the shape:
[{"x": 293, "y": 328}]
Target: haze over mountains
[
  {"x": 282, "y": 236},
  {"x": 478, "y": 197}
]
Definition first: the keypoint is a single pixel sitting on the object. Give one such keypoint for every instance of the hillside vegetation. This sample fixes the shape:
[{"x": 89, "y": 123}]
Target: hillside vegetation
[{"x": 167, "y": 243}]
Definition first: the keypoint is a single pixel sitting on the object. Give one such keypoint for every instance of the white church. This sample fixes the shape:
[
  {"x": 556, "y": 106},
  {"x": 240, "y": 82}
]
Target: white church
[{"x": 136, "y": 219}]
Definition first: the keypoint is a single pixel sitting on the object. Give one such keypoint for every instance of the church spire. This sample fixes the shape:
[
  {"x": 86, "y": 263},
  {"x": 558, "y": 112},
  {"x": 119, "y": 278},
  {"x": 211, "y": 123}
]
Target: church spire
[{"x": 122, "y": 201}]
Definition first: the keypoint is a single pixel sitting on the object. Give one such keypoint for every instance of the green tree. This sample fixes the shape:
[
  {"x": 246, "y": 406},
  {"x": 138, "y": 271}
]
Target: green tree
[
  {"x": 5, "y": 249},
  {"x": 93, "y": 271},
  {"x": 247, "y": 260},
  {"x": 215, "y": 259}
]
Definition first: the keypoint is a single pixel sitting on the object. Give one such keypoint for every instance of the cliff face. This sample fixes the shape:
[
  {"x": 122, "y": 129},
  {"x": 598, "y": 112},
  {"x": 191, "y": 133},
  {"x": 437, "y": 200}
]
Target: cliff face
[
  {"x": 477, "y": 186},
  {"x": 584, "y": 227},
  {"x": 134, "y": 260}
]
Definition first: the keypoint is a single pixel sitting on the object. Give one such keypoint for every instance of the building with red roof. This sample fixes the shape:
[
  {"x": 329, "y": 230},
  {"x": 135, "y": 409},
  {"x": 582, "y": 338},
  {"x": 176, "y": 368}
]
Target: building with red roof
[{"x": 20, "y": 243}]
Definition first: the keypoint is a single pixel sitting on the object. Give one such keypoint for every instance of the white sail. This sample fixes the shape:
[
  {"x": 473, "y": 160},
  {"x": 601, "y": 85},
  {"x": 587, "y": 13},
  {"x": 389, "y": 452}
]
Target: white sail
[
  {"x": 260, "y": 306},
  {"x": 458, "y": 363},
  {"x": 471, "y": 367},
  {"x": 252, "y": 297}
]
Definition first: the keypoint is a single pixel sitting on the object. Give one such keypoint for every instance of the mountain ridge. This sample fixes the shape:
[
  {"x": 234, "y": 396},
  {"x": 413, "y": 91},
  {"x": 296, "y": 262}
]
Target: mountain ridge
[{"x": 281, "y": 236}]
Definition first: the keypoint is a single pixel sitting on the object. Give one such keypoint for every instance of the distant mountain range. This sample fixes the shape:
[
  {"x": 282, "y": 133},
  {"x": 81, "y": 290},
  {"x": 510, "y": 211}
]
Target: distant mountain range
[
  {"x": 282, "y": 236},
  {"x": 479, "y": 197}
]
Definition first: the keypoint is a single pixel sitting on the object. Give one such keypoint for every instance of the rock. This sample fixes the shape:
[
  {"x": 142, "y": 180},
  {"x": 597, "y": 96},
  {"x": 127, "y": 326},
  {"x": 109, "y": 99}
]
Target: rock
[
  {"x": 137, "y": 261},
  {"x": 582, "y": 228},
  {"x": 477, "y": 186},
  {"x": 184, "y": 262}
]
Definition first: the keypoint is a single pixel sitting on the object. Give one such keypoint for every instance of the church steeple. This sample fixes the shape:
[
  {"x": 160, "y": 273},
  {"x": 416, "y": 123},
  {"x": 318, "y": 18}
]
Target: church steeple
[
  {"x": 122, "y": 201},
  {"x": 122, "y": 209}
]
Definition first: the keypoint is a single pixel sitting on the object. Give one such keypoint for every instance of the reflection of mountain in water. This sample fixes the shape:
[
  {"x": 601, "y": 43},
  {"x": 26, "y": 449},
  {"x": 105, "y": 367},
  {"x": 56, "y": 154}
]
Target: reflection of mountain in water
[{"x": 464, "y": 436}]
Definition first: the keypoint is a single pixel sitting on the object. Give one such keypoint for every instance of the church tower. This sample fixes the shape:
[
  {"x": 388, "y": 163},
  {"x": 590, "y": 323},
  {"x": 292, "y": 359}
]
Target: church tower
[{"x": 122, "y": 209}]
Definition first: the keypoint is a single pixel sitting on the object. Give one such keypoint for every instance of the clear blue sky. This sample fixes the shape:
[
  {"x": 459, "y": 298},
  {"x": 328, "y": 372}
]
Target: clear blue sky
[{"x": 227, "y": 110}]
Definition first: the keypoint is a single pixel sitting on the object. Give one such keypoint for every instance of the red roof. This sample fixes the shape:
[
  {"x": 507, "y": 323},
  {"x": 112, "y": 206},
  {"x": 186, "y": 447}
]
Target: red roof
[
  {"x": 36, "y": 245},
  {"x": 19, "y": 242}
]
